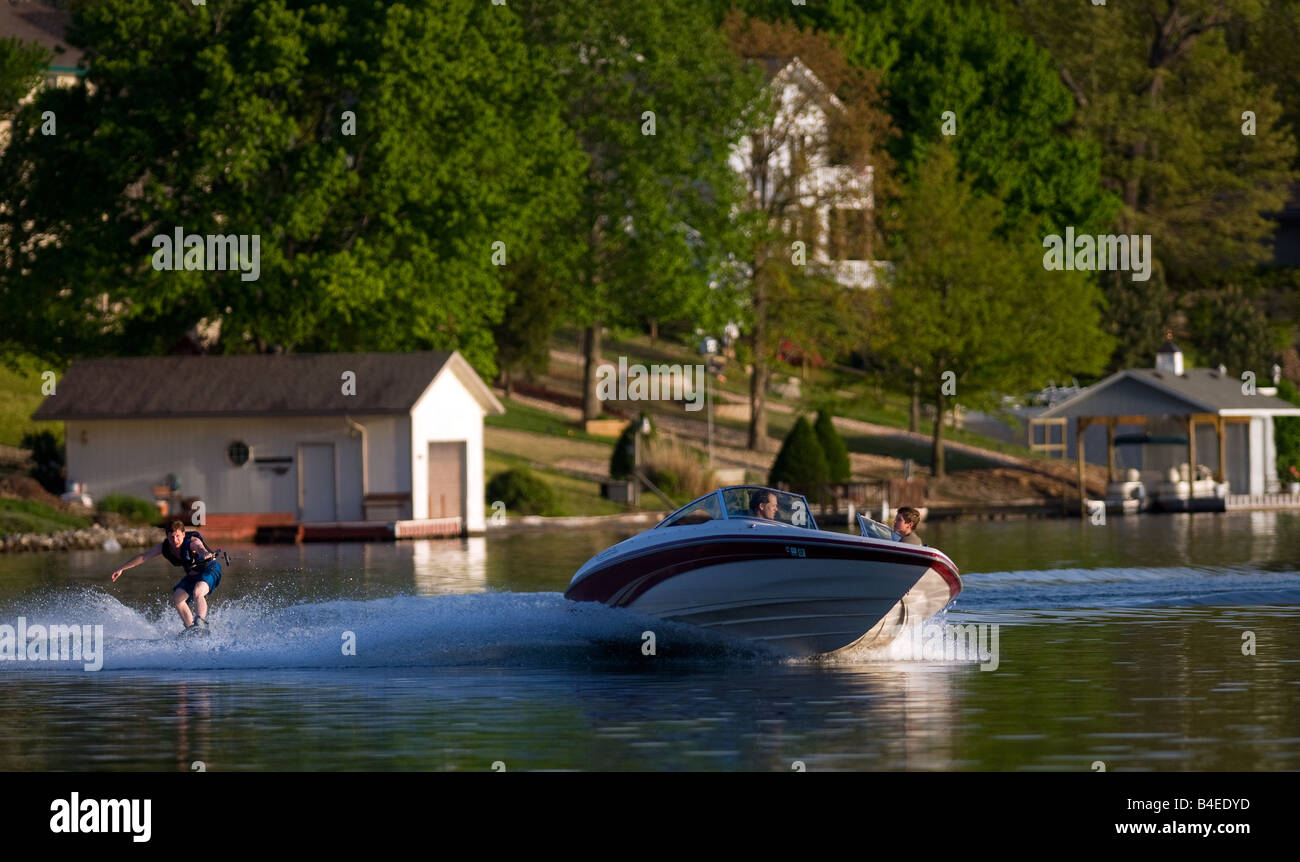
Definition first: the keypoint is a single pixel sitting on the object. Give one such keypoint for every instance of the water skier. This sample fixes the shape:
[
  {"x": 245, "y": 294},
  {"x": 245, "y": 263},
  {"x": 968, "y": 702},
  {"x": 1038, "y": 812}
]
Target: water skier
[{"x": 202, "y": 571}]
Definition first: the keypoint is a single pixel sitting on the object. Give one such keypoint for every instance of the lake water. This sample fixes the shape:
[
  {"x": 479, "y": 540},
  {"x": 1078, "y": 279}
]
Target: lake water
[{"x": 1120, "y": 643}]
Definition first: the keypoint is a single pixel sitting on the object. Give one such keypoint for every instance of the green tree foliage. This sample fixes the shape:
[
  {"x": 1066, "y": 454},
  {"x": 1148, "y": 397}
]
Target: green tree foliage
[
  {"x": 800, "y": 463},
  {"x": 536, "y": 304},
  {"x": 1008, "y": 103},
  {"x": 228, "y": 118},
  {"x": 1159, "y": 85},
  {"x": 838, "y": 468},
  {"x": 1286, "y": 436},
  {"x": 1267, "y": 43},
  {"x": 654, "y": 210},
  {"x": 1229, "y": 329},
  {"x": 977, "y": 313},
  {"x": 20, "y": 72}
]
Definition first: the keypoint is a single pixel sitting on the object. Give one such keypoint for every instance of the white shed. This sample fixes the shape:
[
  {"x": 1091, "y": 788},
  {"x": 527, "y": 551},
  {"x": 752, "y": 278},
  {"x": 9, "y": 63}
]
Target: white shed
[{"x": 331, "y": 443}]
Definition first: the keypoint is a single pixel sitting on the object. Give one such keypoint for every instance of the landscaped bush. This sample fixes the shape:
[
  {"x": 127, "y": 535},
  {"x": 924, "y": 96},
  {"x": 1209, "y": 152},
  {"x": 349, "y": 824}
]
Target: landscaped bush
[
  {"x": 838, "y": 468},
  {"x": 800, "y": 463},
  {"x": 522, "y": 492},
  {"x": 1286, "y": 436},
  {"x": 677, "y": 470},
  {"x": 620, "y": 462},
  {"x": 132, "y": 508},
  {"x": 48, "y": 458}
]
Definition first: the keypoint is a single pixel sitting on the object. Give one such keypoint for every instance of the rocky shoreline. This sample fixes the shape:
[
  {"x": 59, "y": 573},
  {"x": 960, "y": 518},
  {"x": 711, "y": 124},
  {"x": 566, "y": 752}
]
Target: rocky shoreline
[{"x": 96, "y": 538}]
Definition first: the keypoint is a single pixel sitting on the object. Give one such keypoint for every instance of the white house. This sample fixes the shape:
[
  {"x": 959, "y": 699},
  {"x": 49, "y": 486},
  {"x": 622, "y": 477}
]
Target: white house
[
  {"x": 839, "y": 239},
  {"x": 337, "y": 444}
]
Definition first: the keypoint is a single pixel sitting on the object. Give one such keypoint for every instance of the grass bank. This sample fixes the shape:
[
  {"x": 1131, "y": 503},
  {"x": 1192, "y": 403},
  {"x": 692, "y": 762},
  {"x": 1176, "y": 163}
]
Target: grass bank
[
  {"x": 20, "y": 395},
  {"x": 28, "y": 516}
]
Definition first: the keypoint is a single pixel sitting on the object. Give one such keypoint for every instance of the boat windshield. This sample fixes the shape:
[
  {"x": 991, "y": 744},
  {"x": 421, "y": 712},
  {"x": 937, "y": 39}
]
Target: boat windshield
[
  {"x": 704, "y": 509},
  {"x": 744, "y": 501},
  {"x": 752, "y": 501},
  {"x": 870, "y": 529}
]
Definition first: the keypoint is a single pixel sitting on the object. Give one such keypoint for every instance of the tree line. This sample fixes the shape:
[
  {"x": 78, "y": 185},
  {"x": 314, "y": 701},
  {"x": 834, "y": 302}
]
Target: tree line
[{"x": 462, "y": 175}]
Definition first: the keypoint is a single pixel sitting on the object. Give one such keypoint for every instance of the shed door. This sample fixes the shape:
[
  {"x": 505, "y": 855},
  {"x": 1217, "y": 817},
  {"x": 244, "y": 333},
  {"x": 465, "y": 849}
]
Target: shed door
[
  {"x": 316, "y": 482},
  {"x": 447, "y": 480}
]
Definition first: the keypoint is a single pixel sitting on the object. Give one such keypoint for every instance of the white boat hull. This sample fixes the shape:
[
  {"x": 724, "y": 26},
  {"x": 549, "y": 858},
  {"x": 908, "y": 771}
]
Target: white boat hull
[{"x": 797, "y": 607}]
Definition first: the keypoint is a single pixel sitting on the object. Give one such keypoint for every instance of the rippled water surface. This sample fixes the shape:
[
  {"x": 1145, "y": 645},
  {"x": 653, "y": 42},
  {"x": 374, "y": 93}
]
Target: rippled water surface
[{"x": 1149, "y": 643}]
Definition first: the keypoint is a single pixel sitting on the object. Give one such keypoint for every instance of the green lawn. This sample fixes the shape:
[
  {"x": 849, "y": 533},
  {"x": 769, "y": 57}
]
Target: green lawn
[
  {"x": 573, "y": 496},
  {"x": 885, "y": 408},
  {"x": 20, "y": 395},
  {"x": 522, "y": 417},
  {"x": 27, "y": 516}
]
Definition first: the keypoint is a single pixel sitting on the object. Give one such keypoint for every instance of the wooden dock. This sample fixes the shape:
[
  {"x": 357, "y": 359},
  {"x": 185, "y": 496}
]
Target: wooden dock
[{"x": 1246, "y": 502}]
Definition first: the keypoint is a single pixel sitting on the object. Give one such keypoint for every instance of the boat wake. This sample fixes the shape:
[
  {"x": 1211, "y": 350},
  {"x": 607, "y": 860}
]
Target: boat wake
[
  {"x": 498, "y": 629},
  {"x": 1177, "y": 586}
]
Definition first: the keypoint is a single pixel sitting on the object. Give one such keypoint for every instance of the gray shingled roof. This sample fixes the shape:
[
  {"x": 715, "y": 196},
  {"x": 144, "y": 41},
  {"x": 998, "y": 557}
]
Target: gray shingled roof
[
  {"x": 1148, "y": 392},
  {"x": 36, "y": 22},
  {"x": 295, "y": 384}
]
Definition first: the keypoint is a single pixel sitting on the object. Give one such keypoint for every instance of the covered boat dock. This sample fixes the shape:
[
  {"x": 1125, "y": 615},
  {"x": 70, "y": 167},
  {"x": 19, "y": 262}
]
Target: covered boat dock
[{"x": 1175, "y": 439}]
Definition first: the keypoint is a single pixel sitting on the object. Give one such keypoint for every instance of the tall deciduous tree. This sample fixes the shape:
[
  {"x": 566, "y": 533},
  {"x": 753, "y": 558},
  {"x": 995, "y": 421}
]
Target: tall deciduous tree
[
  {"x": 656, "y": 101},
  {"x": 1157, "y": 83},
  {"x": 975, "y": 310},
  {"x": 815, "y": 146},
  {"x": 1008, "y": 107},
  {"x": 393, "y": 160}
]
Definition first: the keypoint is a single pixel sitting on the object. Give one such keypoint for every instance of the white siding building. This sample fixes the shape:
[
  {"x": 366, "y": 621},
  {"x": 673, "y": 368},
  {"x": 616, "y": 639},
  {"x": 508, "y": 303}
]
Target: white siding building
[
  {"x": 838, "y": 198},
  {"x": 336, "y": 445}
]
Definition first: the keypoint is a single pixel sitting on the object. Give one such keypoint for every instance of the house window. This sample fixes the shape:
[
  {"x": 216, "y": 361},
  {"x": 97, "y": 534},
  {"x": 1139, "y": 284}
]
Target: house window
[{"x": 237, "y": 452}]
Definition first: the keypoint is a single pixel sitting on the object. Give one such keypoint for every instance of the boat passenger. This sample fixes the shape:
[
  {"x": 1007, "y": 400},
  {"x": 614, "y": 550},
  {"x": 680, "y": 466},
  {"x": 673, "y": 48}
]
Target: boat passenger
[{"x": 905, "y": 521}]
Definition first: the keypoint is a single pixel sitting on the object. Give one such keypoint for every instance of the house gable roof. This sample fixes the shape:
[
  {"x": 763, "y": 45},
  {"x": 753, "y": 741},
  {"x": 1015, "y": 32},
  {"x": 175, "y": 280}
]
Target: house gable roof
[
  {"x": 793, "y": 69},
  {"x": 44, "y": 25},
  {"x": 1148, "y": 392},
  {"x": 295, "y": 384}
]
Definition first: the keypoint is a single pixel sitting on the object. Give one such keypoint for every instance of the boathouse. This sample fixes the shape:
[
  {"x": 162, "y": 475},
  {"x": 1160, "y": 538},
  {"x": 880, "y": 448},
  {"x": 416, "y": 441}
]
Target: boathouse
[
  {"x": 1172, "y": 437},
  {"x": 357, "y": 445}
]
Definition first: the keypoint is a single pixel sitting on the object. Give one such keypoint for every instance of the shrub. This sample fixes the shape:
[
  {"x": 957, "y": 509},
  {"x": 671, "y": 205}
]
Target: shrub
[
  {"x": 522, "y": 492},
  {"x": 800, "y": 463},
  {"x": 132, "y": 508},
  {"x": 675, "y": 469},
  {"x": 620, "y": 462},
  {"x": 1286, "y": 436},
  {"x": 48, "y": 457},
  {"x": 838, "y": 468}
]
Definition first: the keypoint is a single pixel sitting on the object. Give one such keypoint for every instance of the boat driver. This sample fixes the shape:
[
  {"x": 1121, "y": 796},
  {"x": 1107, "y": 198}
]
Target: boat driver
[
  {"x": 905, "y": 521},
  {"x": 763, "y": 505}
]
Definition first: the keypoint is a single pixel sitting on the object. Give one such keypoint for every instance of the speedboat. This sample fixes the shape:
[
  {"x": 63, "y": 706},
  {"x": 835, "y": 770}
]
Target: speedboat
[{"x": 733, "y": 563}]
